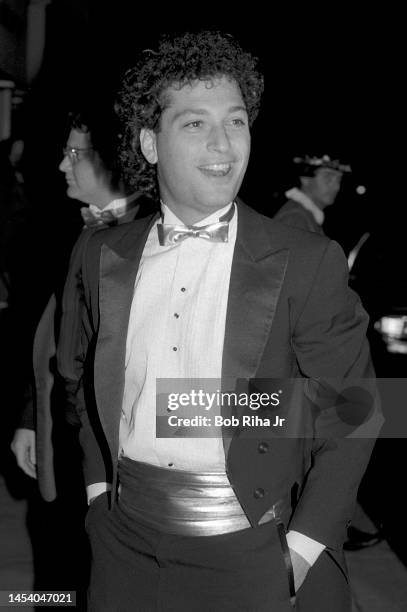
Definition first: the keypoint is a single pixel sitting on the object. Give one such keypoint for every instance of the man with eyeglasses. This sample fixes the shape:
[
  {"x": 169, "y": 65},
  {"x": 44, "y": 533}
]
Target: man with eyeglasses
[
  {"x": 47, "y": 429},
  {"x": 92, "y": 178}
]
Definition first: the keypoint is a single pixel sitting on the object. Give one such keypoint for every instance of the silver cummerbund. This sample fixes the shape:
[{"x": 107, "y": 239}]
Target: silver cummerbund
[{"x": 180, "y": 502}]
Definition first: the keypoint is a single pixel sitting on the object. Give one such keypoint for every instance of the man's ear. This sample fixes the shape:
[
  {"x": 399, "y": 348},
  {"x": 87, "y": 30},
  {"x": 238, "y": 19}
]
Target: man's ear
[{"x": 148, "y": 145}]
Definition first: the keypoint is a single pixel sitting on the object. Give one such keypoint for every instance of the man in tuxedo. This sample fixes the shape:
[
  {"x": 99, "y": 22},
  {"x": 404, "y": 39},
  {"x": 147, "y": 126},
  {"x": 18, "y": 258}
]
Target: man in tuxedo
[
  {"x": 216, "y": 293},
  {"x": 92, "y": 176},
  {"x": 48, "y": 427},
  {"x": 320, "y": 178}
]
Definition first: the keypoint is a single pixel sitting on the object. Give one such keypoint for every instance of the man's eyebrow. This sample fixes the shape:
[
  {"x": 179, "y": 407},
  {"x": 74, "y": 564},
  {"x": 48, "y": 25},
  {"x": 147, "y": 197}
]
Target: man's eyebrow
[
  {"x": 203, "y": 111},
  {"x": 237, "y": 109},
  {"x": 189, "y": 111}
]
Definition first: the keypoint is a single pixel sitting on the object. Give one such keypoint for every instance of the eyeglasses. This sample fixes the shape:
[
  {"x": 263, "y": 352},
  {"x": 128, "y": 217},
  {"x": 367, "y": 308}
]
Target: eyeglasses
[{"x": 73, "y": 153}]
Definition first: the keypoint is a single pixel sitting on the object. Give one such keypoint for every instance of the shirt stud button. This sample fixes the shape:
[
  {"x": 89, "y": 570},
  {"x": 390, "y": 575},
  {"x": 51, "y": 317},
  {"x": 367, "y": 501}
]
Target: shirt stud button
[{"x": 259, "y": 493}]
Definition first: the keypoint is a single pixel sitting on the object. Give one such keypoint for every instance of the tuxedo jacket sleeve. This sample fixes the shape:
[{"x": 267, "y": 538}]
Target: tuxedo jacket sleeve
[
  {"x": 68, "y": 354},
  {"x": 317, "y": 335},
  {"x": 36, "y": 414},
  {"x": 329, "y": 341}
]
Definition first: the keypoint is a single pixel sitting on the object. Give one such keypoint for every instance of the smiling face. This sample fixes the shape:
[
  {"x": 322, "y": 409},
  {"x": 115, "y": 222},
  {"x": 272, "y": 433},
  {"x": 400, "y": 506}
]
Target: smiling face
[{"x": 201, "y": 149}]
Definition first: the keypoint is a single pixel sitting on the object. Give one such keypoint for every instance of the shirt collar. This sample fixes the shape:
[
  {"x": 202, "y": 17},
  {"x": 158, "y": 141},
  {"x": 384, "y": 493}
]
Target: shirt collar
[
  {"x": 299, "y": 196},
  {"x": 118, "y": 207},
  {"x": 172, "y": 219}
]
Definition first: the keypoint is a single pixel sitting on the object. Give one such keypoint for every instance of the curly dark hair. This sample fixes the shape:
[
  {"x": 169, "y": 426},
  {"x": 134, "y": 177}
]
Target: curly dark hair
[{"x": 181, "y": 60}]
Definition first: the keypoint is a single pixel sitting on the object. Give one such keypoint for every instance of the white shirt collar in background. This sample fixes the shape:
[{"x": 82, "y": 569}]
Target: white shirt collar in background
[
  {"x": 299, "y": 196},
  {"x": 118, "y": 207}
]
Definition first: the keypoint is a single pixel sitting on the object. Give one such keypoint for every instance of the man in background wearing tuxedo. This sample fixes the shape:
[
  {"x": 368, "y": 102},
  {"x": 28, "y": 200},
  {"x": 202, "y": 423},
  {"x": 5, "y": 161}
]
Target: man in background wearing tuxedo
[
  {"x": 92, "y": 177},
  {"x": 47, "y": 432}
]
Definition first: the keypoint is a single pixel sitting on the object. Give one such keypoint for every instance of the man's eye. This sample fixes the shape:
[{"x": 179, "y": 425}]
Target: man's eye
[
  {"x": 238, "y": 122},
  {"x": 194, "y": 124}
]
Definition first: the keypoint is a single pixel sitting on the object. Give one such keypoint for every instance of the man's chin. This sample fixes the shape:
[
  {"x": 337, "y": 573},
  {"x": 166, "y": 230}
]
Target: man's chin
[
  {"x": 72, "y": 192},
  {"x": 330, "y": 200},
  {"x": 219, "y": 200}
]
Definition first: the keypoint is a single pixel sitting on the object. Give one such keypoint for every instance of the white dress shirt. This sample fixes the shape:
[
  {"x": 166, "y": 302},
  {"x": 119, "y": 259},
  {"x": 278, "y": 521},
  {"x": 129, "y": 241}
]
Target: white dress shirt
[{"x": 176, "y": 330}]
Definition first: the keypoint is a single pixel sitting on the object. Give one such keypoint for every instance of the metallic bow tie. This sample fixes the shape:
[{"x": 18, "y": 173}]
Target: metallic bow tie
[{"x": 214, "y": 232}]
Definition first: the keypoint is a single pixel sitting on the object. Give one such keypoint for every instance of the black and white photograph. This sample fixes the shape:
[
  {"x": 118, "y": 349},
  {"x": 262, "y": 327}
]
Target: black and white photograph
[{"x": 203, "y": 308}]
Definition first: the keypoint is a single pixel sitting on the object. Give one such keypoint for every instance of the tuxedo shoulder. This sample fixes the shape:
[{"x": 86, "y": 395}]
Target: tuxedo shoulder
[
  {"x": 295, "y": 237},
  {"x": 307, "y": 250},
  {"x": 289, "y": 205},
  {"x": 111, "y": 235}
]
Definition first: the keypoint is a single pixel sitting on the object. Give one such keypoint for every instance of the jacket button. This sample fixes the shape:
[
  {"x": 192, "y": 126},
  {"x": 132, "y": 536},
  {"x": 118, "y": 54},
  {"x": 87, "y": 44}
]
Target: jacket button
[
  {"x": 263, "y": 447},
  {"x": 259, "y": 493}
]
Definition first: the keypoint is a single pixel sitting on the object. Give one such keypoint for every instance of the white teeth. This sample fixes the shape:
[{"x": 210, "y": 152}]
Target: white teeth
[
  {"x": 218, "y": 167},
  {"x": 216, "y": 170}
]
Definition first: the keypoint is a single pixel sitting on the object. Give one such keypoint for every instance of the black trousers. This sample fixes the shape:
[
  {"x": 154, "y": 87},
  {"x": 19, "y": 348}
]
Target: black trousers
[{"x": 135, "y": 568}]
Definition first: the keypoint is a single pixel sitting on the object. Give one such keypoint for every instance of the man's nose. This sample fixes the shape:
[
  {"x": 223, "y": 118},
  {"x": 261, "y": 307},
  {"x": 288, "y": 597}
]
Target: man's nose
[
  {"x": 65, "y": 164},
  {"x": 218, "y": 139}
]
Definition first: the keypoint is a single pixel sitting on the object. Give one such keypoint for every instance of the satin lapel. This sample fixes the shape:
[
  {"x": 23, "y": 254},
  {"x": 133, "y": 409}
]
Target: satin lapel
[
  {"x": 257, "y": 276},
  {"x": 118, "y": 270}
]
